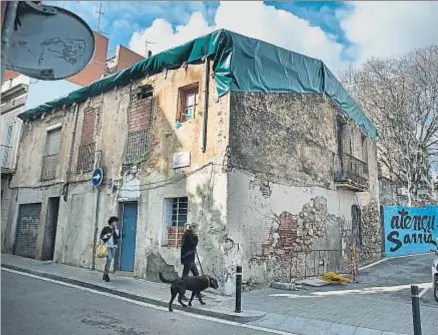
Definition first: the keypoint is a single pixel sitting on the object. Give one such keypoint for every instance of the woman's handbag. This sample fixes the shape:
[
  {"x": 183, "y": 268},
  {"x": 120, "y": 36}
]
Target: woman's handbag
[{"x": 101, "y": 250}]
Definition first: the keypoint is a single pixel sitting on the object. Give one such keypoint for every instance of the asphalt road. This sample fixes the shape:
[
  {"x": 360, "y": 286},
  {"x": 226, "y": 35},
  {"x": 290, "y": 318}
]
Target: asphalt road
[{"x": 31, "y": 306}]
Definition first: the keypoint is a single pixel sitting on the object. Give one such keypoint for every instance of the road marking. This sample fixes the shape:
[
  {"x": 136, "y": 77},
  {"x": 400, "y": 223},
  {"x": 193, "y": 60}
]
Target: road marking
[
  {"x": 373, "y": 264},
  {"x": 363, "y": 291},
  {"x": 388, "y": 258},
  {"x": 197, "y": 316},
  {"x": 422, "y": 292}
]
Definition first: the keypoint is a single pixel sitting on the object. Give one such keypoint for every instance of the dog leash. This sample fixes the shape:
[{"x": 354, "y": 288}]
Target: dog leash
[{"x": 200, "y": 265}]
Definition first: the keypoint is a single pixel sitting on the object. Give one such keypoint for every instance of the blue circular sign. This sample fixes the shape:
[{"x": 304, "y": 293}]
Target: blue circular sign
[{"x": 97, "y": 177}]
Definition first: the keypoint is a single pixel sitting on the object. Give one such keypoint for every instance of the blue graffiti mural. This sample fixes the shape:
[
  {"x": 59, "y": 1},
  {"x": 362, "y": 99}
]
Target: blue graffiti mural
[{"x": 410, "y": 230}]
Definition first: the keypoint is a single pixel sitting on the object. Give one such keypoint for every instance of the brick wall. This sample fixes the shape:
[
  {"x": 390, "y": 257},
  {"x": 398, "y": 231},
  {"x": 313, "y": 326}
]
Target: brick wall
[
  {"x": 138, "y": 126},
  {"x": 89, "y": 126},
  {"x": 140, "y": 112},
  {"x": 87, "y": 148}
]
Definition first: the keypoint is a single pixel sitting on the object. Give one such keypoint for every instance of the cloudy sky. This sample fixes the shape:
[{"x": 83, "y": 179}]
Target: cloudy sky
[{"x": 339, "y": 33}]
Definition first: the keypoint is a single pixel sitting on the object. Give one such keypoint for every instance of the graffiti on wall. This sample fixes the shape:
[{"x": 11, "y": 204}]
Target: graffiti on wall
[{"x": 410, "y": 230}]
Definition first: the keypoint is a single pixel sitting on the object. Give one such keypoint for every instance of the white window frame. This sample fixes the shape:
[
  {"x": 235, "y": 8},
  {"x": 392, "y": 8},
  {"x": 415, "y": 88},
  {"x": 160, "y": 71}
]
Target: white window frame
[{"x": 168, "y": 218}]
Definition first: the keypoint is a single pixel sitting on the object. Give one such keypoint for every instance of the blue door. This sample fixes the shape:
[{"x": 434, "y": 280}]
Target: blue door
[{"x": 129, "y": 230}]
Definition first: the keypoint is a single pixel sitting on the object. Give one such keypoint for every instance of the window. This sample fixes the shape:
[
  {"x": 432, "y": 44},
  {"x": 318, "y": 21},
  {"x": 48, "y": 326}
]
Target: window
[
  {"x": 7, "y": 146},
  {"x": 356, "y": 224},
  {"x": 51, "y": 151},
  {"x": 87, "y": 149},
  {"x": 139, "y": 116},
  {"x": 189, "y": 98},
  {"x": 175, "y": 217},
  {"x": 364, "y": 149}
]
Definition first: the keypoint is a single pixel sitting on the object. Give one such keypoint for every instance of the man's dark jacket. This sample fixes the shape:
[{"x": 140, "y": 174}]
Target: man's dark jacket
[{"x": 188, "y": 247}]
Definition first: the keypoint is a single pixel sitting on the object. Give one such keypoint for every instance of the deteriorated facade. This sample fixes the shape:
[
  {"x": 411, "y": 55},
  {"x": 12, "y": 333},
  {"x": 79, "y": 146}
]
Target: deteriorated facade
[{"x": 281, "y": 184}]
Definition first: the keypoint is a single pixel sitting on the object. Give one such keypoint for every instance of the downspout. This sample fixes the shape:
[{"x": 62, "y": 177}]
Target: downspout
[
  {"x": 64, "y": 192},
  {"x": 72, "y": 144},
  {"x": 205, "y": 109}
]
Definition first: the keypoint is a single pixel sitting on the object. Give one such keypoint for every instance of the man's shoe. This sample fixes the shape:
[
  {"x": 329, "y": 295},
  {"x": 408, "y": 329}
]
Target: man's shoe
[{"x": 106, "y": 278}]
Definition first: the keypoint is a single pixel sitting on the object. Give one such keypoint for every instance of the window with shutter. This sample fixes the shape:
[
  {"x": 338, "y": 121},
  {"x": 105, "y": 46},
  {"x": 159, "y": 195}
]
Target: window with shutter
[{"x": 51, "y": 151}]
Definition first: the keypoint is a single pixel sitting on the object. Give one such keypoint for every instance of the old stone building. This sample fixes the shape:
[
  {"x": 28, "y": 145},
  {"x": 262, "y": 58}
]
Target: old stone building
[{"x": 265, "y": 151}]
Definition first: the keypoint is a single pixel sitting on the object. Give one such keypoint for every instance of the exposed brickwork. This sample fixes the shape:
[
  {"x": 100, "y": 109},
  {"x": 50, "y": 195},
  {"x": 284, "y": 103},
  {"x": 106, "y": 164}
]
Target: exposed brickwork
[
  {"x": 138, "y": 126},
  {"x": 139, "y": 114},
  {"x": 294, "y": 246},
  {"x": 88, "y": 138},
  {"x": 89, "y": 126}
]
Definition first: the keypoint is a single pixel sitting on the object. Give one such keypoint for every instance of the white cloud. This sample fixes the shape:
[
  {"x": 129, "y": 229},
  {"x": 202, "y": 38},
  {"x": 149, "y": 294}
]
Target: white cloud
[
  {"x": 387, "y": 28},
  {"x": 379, "y": 29},
  {"x": 162, "y": 36},
  {"x": 250, "y": 18}
]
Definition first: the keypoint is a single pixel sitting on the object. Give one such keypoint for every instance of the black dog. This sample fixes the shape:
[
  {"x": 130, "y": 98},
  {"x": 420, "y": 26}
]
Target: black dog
[{"x": 196, "y": 284}]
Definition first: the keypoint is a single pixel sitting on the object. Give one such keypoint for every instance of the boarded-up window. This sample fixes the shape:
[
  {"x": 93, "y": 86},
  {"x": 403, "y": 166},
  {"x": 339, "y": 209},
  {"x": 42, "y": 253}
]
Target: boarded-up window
[
  {"x": 51, "y": 151},
  {"x": 53, "y": 142},
  {"x": 87, "y": 149},
  {"x": 174, "y": 219},
  {"x": 138, "y": 126}
]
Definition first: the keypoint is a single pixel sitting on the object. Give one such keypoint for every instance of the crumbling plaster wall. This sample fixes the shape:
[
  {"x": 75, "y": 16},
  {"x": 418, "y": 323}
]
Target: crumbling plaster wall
[
  {"x": 314, "y": 218},
  {"x": 154, "y": 179},
  {"x": 282, "y": 195},
  {"x": 26, "y": 182},
  {"x": 32, "y": 146},
  {"x": 288, "y": 136}
]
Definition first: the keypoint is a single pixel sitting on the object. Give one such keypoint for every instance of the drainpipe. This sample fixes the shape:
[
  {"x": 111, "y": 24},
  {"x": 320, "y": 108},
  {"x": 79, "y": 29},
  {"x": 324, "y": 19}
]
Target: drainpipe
[
  {"x": 70, "y": 153},
  {"x": 205, "y": 112},
  {"x": 72, "y": 143},
  {"x": 70, "y": 158}
]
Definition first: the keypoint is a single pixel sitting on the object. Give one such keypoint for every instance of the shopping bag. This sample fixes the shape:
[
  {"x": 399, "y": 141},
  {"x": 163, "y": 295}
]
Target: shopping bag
[{"x": 101, "y": 250}]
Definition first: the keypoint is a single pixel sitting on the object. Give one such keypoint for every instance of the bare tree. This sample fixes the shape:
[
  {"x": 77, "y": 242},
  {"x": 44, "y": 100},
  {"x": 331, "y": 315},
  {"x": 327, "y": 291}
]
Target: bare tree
[{"x": 401, "y": 97}]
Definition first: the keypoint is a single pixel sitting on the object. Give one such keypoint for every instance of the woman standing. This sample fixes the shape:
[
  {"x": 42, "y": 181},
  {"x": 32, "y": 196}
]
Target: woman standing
[{"x": 110, "y": 235}]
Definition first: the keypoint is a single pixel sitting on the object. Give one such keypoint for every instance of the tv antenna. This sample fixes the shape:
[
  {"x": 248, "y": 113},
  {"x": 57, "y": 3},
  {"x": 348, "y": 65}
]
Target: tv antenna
[{"x": 99, "y": 13}]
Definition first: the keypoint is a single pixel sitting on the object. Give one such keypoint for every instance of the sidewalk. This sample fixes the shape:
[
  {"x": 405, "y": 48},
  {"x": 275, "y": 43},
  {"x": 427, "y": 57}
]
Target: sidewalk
[
  {"x": 131, "y": 288},
  {"x": 304, "y": 312}
]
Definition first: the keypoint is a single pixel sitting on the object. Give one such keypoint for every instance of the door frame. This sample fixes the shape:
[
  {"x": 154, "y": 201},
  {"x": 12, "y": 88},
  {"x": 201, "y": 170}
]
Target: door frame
[{"x": 121, "y": 211}]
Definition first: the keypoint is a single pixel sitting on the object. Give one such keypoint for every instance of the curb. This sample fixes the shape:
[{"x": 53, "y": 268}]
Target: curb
[{"x": 224, "y": 316}]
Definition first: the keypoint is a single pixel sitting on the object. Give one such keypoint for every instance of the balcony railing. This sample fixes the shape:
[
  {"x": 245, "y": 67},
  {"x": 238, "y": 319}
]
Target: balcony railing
[
  {"x": 352, "y": 170},
  {"x": 7, "y": 157},
  {"x": 50, "y": 163}
]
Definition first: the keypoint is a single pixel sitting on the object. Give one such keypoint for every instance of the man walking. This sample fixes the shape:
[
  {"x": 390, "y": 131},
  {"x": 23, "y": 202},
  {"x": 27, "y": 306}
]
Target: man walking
[
  {"x": 188, "y": 250},
  {"x": 110, "y": 235}
]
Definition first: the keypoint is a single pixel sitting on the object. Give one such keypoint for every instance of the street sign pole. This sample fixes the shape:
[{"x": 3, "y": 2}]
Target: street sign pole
[
  {"x": 8, "y": 26},
  {"x": 96, "y": 180}
]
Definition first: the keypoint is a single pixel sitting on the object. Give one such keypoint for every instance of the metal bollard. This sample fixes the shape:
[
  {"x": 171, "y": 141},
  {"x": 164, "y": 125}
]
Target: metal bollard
[
  {"x": 239, "y": 289},
  {"x": 416, "y": 309}
]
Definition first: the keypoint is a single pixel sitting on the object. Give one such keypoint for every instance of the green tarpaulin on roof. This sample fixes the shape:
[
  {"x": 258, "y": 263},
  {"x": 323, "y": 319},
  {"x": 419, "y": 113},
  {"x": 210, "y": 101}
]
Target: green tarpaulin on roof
[{"x": 240, "y": 64}]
